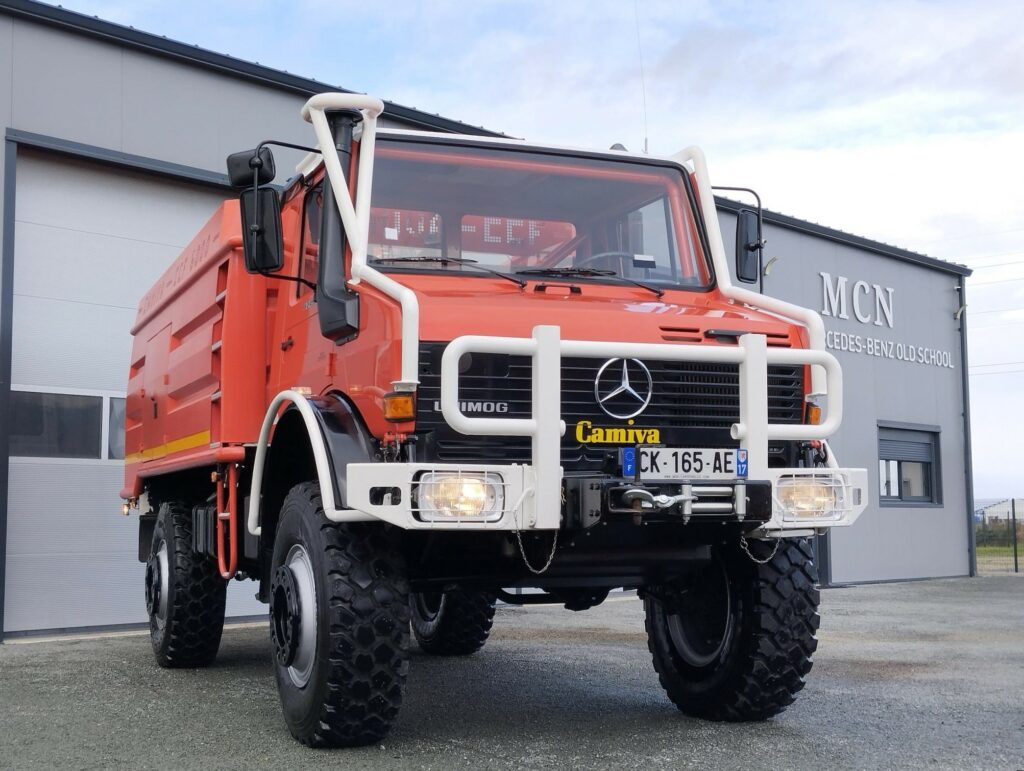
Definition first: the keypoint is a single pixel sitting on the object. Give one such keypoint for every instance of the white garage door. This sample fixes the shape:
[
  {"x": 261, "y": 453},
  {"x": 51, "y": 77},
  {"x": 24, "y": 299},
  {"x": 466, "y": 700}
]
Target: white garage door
[{"x": 89, "y": 240}]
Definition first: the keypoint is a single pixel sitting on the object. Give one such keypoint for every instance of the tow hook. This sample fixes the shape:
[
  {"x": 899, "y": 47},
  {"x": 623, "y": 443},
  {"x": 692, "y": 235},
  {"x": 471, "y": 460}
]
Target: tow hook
[{"x": 636, "y": 497}]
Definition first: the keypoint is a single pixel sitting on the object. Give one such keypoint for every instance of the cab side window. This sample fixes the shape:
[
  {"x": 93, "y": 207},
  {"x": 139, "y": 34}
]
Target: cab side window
[{"x": 310, "y": 251}]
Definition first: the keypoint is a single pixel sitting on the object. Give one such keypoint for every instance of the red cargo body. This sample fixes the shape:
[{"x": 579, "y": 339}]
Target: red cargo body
[{"x": 197, "y": 382}]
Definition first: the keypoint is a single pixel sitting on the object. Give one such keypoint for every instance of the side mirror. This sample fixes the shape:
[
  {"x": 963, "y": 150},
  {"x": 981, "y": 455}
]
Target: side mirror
[
  {"x": 749, "y": 246},
  {"x": 241, "y": 166},
  {"x": 261, "y": 230}
]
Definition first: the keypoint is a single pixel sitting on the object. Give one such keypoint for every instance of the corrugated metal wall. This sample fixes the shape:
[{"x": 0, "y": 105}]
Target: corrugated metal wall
[{"x": 89, "y": 240}]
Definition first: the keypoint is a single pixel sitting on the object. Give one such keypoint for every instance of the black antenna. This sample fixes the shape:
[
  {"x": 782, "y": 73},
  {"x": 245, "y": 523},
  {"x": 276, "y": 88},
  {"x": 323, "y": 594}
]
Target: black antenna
[{"x": 643, "y": 79}]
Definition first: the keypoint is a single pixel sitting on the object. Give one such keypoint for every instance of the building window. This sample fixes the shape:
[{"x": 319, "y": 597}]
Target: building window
[
  {"x": 56, "y": 425},
  {"x": 115, "y": 429},
  {"x": 908, "y": 467}
]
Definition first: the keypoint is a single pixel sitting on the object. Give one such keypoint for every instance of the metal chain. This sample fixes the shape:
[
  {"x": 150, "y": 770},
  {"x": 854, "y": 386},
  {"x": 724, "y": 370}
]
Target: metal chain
[
  {"x": 746, "y": 547},
  {"x": 526, "y": 561}
]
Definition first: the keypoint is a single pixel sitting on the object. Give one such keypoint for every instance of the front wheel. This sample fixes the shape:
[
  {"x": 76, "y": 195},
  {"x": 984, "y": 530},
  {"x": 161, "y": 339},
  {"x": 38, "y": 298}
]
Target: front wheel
[
  {"x": 339, "y": 623},
  {"x": 733, "y": 641}
]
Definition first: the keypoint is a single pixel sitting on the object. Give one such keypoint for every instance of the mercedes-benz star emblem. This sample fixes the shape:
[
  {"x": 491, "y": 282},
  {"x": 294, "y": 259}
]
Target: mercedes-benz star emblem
[{"x": 623, "y": 387}]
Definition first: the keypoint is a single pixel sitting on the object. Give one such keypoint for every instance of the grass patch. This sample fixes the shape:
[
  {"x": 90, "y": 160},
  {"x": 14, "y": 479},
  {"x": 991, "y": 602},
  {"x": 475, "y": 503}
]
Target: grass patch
[{"x": 998, "y": 551}]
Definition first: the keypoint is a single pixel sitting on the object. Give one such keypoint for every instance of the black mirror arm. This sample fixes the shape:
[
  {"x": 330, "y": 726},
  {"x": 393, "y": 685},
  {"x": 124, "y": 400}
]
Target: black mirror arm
[
  {"x": 758, "y": 244},
  {"x": 753, "y": 245},
  {"x": 296, "y": 279},
  {"x": 256, "y": 163}
]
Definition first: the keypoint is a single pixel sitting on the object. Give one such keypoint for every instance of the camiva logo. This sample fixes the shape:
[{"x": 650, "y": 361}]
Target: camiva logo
[{"x": 588, "y": 433}]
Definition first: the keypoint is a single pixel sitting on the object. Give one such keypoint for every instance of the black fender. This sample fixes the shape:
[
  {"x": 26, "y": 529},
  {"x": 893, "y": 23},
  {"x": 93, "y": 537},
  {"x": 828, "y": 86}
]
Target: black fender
[
  {"x": 290, "y": 461},
  {"x": 346, "y": 438}
]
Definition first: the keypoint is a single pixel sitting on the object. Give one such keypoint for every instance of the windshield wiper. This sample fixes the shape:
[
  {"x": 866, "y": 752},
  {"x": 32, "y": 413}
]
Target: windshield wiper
[
  {"x": 456, "y": 260},
  {"x": 588, "y": 273}
]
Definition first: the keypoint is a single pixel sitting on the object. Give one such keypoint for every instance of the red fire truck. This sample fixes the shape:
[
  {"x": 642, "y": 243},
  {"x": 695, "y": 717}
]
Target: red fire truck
[{"x": 431, "y": 370}]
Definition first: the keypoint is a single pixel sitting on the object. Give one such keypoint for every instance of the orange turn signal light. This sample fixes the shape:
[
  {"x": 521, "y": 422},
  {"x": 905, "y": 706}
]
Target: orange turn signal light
[
  {"x": 814, "y": 414},
  {"x": 399, "y": 407}
]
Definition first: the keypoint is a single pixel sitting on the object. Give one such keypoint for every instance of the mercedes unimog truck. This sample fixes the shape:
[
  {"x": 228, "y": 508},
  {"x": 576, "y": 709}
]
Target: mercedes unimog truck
[{"x": 431, "y": 372}]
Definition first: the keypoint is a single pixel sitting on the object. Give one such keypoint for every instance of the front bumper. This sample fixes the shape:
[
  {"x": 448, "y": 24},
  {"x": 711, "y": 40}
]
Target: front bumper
[
  {"x": 533, "y": 496},
  {"x": 393, "y": 492}
]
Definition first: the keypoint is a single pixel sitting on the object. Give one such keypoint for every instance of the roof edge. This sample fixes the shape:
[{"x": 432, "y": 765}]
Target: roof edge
[
  {"x": 849, "y": 239},
  {"x": 94, "y": 27}
]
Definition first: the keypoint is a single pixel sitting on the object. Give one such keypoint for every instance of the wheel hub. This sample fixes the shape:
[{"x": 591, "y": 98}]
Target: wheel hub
[
  {"x": 293, "y": 615},
  {"x": 152, "y": 584},
  {"x": 285, "y": 616},
  {"x": 428, "y": 604},
  {"x": 701, "y": 622},
  {"x": 157, "y": 578}
]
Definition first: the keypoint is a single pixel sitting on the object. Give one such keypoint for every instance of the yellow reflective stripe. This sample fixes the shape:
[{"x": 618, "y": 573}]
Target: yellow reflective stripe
[{"x": 175, "y": 445}]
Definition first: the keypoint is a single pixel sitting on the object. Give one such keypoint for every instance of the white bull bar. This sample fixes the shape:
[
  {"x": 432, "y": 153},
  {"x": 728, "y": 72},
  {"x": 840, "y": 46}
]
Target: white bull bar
[
  {"x": 532, "y": 493},
  {"x": 545, "y": 426}
]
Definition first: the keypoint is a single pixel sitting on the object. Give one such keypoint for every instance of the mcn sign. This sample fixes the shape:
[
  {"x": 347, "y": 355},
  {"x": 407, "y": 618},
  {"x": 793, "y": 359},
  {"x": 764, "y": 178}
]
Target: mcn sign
[{"x": 871, "y": 304}]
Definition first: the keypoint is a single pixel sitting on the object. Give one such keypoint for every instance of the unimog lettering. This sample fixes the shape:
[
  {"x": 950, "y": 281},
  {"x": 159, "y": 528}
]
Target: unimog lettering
[{"x": 485, "y": 407}]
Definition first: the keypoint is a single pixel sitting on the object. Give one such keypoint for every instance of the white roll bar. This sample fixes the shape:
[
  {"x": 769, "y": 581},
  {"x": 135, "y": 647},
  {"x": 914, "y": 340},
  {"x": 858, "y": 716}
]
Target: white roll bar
[
  {"x": 356, "y": 216},
  {"x": 805, "y": 316}
]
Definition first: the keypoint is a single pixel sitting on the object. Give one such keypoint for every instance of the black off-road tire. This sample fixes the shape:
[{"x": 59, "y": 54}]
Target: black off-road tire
[
  {"x": 761, "y": 660},
  {"x": 453, "y": 623},
  {"x": 186, "y": 633},
  {"x": 354, "y": 688}
]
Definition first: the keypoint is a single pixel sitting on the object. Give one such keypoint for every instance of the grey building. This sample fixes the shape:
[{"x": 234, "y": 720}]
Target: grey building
[
  {"x": 896, "y": 321},
  {"x": 114, "y": 148}
]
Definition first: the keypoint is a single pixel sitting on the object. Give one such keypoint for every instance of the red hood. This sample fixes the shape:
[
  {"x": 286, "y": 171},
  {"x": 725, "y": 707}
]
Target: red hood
[{"x": 450, "y": 308}]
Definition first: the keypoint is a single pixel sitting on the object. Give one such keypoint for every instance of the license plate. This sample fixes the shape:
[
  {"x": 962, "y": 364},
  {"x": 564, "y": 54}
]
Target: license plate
[{"x": 681, "y": 463}]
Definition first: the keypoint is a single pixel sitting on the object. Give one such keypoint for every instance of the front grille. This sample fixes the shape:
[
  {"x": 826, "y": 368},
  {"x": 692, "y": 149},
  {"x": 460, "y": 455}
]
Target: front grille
[{"x": 692, "y": 404}]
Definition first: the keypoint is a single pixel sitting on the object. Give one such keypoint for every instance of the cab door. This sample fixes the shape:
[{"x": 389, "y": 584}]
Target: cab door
[{"x": 300, "y": 356}]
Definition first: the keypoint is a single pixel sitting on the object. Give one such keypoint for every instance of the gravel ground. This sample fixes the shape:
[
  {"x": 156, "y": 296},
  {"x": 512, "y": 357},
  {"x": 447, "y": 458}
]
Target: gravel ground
[{"x": 926, "y": 674}]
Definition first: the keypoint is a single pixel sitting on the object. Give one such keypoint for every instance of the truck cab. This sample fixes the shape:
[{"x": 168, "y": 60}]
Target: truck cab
[{"x": 437, "y": 371}]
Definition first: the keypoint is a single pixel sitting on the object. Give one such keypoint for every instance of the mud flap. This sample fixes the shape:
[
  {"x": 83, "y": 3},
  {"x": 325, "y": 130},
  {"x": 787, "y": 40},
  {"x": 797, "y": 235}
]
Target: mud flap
[{"x": 146, "y": 524}]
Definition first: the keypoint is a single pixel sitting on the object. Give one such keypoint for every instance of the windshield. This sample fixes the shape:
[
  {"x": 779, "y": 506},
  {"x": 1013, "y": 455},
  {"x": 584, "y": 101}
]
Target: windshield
[{"x": 460, "y": 209}]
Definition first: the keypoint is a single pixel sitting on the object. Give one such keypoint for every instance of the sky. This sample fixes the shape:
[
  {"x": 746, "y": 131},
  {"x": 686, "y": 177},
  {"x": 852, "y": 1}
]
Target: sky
[{"x": 900, "y": 121}]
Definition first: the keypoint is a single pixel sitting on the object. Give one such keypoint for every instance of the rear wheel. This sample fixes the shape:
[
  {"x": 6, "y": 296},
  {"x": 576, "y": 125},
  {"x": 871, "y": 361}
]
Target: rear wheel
[
  {"x": 185, "y": 594},
  {"x": 339, "y": 623},
  {"x": 734, "y": 641},
  {"x": 452, "y": 623}
]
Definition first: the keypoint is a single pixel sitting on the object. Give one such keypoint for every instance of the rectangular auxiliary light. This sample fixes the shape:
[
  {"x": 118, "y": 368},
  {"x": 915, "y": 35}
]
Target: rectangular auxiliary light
[
  {"x": 459, "y": 496},
  {"x": 812, "y": 497}
]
